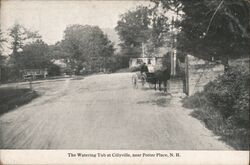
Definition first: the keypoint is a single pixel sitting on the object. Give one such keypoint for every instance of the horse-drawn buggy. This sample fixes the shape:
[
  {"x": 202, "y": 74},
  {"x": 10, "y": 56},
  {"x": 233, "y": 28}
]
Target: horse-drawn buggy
[{"x": 153, "y": 75}]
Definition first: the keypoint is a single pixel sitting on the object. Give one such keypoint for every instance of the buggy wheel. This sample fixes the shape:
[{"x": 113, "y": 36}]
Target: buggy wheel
[
  {"x": 134, "y": 81},
  {"x": 143, "y": 80}
]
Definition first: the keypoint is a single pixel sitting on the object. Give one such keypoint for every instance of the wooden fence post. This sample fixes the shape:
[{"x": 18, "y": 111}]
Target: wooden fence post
[{"x": 186, "y": 76}]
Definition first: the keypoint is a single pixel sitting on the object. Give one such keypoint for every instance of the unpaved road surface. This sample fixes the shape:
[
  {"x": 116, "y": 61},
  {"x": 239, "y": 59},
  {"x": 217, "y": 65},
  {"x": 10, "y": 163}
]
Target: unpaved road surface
[{"x": 103, "y": 112}]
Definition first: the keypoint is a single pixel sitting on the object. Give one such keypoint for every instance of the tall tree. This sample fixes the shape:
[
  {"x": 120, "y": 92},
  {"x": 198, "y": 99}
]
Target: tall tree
[
  {"x": 34, "y": 56},
  {"x": 86, "y": 45},
  {"x": 133, "y": 29},
  {"x": 134, "y": 26},
  {"x": 142, "y": 28},
  {"x": 159, "y": 27},
  {"x": 172, "y": 5},
  {"x": 56, "y": 52},
  {"x": 2, "y": 41},
  {"x": 19, "y": 36},
  {"x": 214, "y": 28}
]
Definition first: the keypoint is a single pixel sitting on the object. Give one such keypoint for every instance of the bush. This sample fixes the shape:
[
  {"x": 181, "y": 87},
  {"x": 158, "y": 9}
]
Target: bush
[
  {"x": 194, "y": 101},
  {"x": 224, "y": 106},
  {"x": 229, "y": 94},
  {"x": 10, "y": 74},
  {"x": 54, "y": 70}
]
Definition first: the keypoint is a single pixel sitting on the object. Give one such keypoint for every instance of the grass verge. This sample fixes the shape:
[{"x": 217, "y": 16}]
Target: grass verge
[
  {"x": 10, "y": 98},
  {"x": 227, "y": 128}
]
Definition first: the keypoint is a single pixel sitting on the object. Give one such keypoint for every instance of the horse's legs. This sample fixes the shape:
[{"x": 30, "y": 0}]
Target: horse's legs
[
  {"x": 165, "y": 86},
  {"x": 136, "y": 85},
  {"x": 155, "y": 84},
  {"x": 160, "y": 85}
]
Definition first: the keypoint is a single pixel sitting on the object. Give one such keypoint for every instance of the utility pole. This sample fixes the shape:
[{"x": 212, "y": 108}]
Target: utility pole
[
  {"x": 142, "y": 46},
  {"x": 173, "y": 52}
]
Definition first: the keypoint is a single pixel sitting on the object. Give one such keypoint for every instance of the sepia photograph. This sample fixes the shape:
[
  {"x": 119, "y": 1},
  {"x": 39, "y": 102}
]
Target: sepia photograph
[{"x": 104, "y": 75}]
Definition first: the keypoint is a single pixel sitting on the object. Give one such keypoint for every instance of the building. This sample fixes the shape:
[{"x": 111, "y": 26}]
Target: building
[
  {"x": 161, "y": 56},
  {"x": 33, "y": 74}
]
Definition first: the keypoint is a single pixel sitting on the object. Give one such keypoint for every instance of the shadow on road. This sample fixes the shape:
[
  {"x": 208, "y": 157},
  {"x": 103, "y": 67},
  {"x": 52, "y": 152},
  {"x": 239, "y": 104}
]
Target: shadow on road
[
  {"x": 146, "y": 89},
  {"x": 161, "y": 102},
  {"x": 162, "y": 94}
]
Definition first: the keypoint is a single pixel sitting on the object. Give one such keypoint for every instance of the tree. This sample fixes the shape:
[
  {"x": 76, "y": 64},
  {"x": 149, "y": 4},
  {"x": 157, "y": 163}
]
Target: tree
[
  {"x": 34, "y": 56},
  {"x": 160, "y": 27},
  {"x": 2, "y": 41},
  {"x": 142, "y": 28},
  {"x": 133, "y": 29},
  {"x": 213, "y": 29},
  {"x": 173, "y": 5},
  {"x": 20, "y": 39},
  {"x": 56, "y": 52},
  {"x": 19, "y": 36},
  {"x": 86, "y": 45}
]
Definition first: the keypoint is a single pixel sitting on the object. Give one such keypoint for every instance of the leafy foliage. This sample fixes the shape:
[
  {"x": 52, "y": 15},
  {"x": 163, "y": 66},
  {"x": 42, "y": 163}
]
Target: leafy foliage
[
  {"x": 142, "y": 28},
  {"x": 173, "y": 5},
  {"x": 230, "y": 94},
  {"x": 133, "y": 29},
  {"x": 2, "y": 41},
  {"x": 34, "y": 55},
  {"x": 224, "y": 106},
  {"x": 86, "y": 44},
  {"x": 19, "y": 37},
  {"x": 28, "y": 52},
  {"x": 212, "y": 28}
]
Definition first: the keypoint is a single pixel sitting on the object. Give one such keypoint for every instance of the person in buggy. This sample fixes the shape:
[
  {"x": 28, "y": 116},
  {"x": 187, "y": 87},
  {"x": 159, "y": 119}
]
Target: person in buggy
[
  {"x": 144, "y": 71},
  {"x": 144, "y": 68}
]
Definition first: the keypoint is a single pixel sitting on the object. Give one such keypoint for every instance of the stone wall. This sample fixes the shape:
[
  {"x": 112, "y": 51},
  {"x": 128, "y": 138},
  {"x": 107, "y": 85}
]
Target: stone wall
[{"x": 200, "y": 72}]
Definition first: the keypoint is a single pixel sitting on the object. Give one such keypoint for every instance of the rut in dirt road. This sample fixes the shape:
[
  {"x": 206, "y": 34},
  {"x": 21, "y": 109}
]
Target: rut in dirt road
[{"x": 104, "y": 112}]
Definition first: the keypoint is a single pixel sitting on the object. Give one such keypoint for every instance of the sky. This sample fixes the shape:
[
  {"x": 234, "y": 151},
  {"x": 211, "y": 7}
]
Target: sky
[{"x": 51, "y": 17}]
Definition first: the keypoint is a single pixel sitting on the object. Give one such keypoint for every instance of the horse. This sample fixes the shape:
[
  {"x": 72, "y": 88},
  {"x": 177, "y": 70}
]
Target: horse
[
  {"x": 160, "y": 77},
  {"x": 163, "y": 77}
]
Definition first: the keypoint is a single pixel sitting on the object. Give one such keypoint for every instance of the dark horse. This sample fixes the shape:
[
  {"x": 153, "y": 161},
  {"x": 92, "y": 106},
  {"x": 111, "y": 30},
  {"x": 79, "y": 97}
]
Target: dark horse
[{"x": 160, "y": 77}]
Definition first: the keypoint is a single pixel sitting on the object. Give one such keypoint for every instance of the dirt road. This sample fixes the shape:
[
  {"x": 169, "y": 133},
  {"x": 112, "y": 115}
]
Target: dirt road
[{"x": 103, "y": 112}]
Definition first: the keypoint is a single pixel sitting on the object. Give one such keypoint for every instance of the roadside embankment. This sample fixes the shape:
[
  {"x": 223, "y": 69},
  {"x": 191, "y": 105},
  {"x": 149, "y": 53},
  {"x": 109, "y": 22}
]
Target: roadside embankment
[
  {"x": 223, "y": 106},
  {"x": 11, "y": 98}
]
